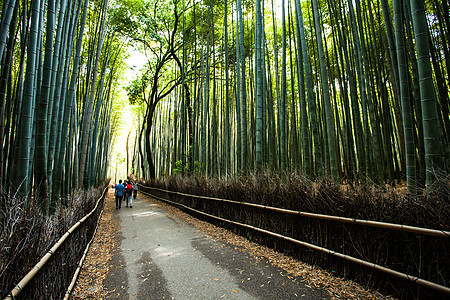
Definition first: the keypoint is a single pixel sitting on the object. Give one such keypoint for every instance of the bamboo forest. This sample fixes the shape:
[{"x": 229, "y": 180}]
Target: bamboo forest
[
  {"x": 354, "y": 94},
  {"x": 336, "y": 89},
  {"x": 355, "y": 91}
]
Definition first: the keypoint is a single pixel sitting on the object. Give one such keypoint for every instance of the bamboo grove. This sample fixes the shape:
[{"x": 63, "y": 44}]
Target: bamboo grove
[
  {"x": 352, "y": 90},
  {"x": 59, "y": 64}
]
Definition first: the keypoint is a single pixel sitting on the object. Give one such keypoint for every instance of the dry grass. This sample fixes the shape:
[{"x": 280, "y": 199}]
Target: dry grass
[
  {"x": 424, "y": 256},
  {"x": 26, "y": 234},
  {"x": 338, "y": 288}
]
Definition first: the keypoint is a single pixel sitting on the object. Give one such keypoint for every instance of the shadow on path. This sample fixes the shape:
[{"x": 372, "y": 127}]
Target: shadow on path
[{"x": 160, "y": 257}]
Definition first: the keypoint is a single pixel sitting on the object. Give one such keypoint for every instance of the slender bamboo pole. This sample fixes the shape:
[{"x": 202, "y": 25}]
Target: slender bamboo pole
[
  {"x": 365, "y": 263},
  {"x": 371, "y": 223},
  {"x": 80, "y": 264},
  {"x": 25, "y": 280}
]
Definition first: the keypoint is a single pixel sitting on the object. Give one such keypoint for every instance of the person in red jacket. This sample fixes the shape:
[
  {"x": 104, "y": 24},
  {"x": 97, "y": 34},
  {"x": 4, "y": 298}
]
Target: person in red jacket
[{"x": 128, "y": 193}]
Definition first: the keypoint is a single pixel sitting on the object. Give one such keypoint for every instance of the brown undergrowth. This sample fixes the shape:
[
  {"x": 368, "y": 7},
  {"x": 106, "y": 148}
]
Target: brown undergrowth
[
  {"x": 337, "y": 288},
  {"x": 425, "y": 256},
  {"x": 27, "y": 234}
]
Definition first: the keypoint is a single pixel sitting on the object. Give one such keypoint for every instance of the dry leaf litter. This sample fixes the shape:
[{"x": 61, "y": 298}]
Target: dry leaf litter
[
  {"x": 96, "y": 265},
  {"x": 95, "y": 268}
]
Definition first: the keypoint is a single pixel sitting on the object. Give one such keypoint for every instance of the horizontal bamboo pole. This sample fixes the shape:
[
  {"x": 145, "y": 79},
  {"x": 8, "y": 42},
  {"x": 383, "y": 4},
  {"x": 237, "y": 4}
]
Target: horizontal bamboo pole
[
  {"x": 80, "y": 264},
  {"x": 377, "y": 267},
  {"x": 25, "y": 280},
  {"x": 399, "y": 227}
]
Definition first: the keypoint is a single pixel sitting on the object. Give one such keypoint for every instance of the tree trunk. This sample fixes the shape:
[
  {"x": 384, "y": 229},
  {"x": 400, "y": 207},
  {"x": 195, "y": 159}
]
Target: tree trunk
[
  {"x": 432, "y": 131},
  {"x": 258, "y": 80},
  {"x": 331, "y": 132},
  {"x": 21, "y": 181},
  {"x": 405, "y": 99},
  {"x": 41, "y": 125}
]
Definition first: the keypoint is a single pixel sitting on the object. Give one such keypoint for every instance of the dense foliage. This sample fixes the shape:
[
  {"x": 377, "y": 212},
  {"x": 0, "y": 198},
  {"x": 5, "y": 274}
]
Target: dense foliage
[
  {"x": 60, "y": 61},
  {"x": 357, "y": 90}
]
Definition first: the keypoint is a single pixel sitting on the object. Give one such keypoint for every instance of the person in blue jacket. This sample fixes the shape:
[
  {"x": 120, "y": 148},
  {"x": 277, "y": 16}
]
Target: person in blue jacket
[{"x": 119, "y": 194}]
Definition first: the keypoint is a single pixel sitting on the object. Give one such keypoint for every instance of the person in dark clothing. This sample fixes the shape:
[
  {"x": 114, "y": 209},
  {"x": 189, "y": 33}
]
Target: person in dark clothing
[
  {"x": 128, "y": 192},
  {"x": 119, "y": 194},
  {"x": 135, "y": 189}
]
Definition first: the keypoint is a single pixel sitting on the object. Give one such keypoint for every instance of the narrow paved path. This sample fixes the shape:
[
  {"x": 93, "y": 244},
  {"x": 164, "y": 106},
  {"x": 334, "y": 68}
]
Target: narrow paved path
[{"x": 161, "y": 257}]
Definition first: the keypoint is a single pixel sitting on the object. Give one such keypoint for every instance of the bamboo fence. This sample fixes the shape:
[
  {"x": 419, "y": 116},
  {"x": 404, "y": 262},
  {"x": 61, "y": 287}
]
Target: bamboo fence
[{"x": 399, "y": 227}]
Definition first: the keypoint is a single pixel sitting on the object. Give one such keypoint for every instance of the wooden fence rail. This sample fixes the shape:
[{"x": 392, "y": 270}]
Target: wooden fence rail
[
  {"x": 393, "y": 226},
  {"x": 25, "y": 280},
  {"x": 418, "y": 230}
]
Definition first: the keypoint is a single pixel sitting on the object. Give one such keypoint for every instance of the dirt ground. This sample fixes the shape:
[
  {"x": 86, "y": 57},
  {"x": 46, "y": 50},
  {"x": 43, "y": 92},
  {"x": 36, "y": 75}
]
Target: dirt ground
[
  {"x": 99, "y": 262},
  {"x": 95, "y": 268}
]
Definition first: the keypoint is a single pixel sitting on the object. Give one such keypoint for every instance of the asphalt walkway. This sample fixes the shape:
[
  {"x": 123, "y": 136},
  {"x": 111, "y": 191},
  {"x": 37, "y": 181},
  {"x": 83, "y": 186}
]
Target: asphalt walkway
[{"x": 164, "y": 258}]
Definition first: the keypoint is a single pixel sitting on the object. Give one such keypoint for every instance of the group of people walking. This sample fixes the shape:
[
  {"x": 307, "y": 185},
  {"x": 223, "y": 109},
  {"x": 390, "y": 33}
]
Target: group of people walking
[{"x": 127, "y": 190}]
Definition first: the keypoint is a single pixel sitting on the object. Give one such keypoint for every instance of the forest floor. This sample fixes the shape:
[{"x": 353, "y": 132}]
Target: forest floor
[{"x": 113, "y": 257}]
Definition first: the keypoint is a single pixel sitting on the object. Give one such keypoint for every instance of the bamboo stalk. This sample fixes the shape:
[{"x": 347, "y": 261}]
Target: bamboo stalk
[
  {"x": 377, "y": 267},
  {"x": 393, "y": 226},
  {"x": 25, "y": 280}
]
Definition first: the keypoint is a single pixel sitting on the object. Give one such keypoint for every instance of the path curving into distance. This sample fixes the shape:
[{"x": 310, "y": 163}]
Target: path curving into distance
[{"x": 161, "y": 257}]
